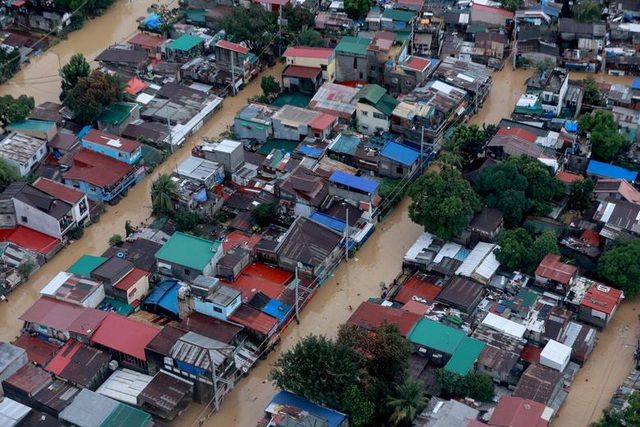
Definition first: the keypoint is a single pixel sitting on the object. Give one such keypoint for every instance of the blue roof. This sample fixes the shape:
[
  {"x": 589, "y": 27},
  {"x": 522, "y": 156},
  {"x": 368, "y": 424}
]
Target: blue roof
[
  {"x": 607, "y": 170},
  {"x": 328, "y": 221},
  {"x": 165, "y": 296},
  {"x": 635, "y": 84},
  {"x": 333, "y": 418},
  {"x": 399, "y": 153},
  {"x": 345, "y": 144},
  {"x": 355, "y": 182},
  {"x": 310, "y": 151},
  {"x": 32, "y": 125},
  {"x": 277, "y": 309},
  {"x": 571, "y": 126}
]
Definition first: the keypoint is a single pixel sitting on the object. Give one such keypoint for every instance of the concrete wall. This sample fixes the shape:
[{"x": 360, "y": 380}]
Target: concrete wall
[
  {"x": 36, "y": 219},
  {"x": 351, "y": 68},
  {"x": 246, "y": 130},
  {"x": 367, "y": 123},
  {"x": 123, "y": 156},
  {"x": 281, "y": 131},
  {"x": 208, "y": 308}
]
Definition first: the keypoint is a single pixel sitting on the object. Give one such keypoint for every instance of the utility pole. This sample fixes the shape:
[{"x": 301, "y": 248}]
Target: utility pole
[
  {"x": 170, "y": 133},
  {"x": 422, "y": 149},
  {"x": 346, "y": 238},
  {"x": 233, "y": 73}
]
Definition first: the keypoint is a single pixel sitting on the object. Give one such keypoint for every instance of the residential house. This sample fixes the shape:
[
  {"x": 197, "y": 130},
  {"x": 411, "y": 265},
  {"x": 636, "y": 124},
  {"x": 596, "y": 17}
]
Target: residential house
[
  {"x": 540, "y": 384},
  {"x": 290, "y": 409},
  {"x": 551, "y": 87},
  {"x": 469, "y": 76},
  {"x": 166, "y": 396},
  {"x": 25, "y": 205},
  {"x": 320, "y": 58},
  {"x": 228, "y": 153},
  {"x": 335, "y": 99},
  {"x": 40, "y": 129},
  {"x": 356, "y": 188},
  {"x": 131, "y": 288},
  {"x": 398, "y": 20},
  {"x": 295, "y": 123},
  {"x": 272, "y": 5},
  {"x": 77, "y": 199},
  {"x": 374, "y": 109},
  {"x": 370, "y": 316},
  {"x": 310, "y": 248},
  {"x": 409, "y": 73},
  {"x": 428, "y": 34},
  {"x": 518, "y": 142},
  {"x": 536, "y": 52},
  {"x": 214, "y": 299},
  {"x": 122, "y": 149},
  {"x": 352, "y": 62},
  {"x": 236, "y": 60},
  {"x": 440, "y": 412},
  {"x": 184, "y": 48},
  {"x": 23, "y": 152},
  {"x": 616, "y": 189},
  {"x": 254, "y": 122},
  {"x": 74, "y": 290},
  {"x": 554, "y": 275},
  {"x": 384, "y": 50},
  {"x": 462, "y": 294},
  {"x": 296, "y": 78},
  {"x": 333, "y": 25},
  {"x": 599, "y": 304},
  {"x": 101, "y": 177},
  {"x": 490, "y": 15},
  {"x": 129, "y": 62},
  {"x": 485, "y": 226},
  {"x": 585, "y": 35},
  {"x": 201, "y": 171},
  {"x": 187, "y": 257},
  {"x": 398, "y": 161},
  {"x": 490, "y": 48},
  {"x": 118, "y": 116},
  {"x": 80, "y": 365},
  {"x": 620, "y": 219},
  {"x": 150, "y": 43},
  {"x": 303, "y": 190},
  {"x": 514, "y": 411},
  {"x": 500, "y": 356},
  {"x": 598, "y": 170}
]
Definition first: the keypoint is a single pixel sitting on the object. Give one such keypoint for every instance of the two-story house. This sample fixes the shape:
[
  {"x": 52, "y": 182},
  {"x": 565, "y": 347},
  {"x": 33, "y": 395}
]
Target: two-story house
[
  {"x": 313, "y": 57},
  {"x": 374, "y": 109},
  {"x": 187, "y": 257},
  {"x": 75, "y": 198},
  {"x": 212, "y": 298},
  {"x": 121, "y": 149},
  {"x": 551, "y": 88},
  {"x": 234, "y": 58},
  {"x": 23, "y": 152}
]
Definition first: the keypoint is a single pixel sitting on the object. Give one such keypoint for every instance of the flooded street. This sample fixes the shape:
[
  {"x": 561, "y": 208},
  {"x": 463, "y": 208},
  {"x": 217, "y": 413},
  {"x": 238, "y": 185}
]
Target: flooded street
[{"x": 507, "y": 87}]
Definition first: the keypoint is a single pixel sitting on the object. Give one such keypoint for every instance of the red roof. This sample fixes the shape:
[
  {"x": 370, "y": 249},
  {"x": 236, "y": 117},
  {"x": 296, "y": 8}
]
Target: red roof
[
  {"x": 59, "y": 190},
  {"x": 568, "y": 177},
  {"x": 301, "y": 72},
  {"x": 238, "y": 238},
  {"x": 224, "y": 44},
  {"x": 29, "y": 379},
  {"x": 518, "y": 132},
  {"x": 518, "y": 412},
  {"x": 531, "y": 354},
  {"x": 254, "y": 319},
  {"x": 552, "y": 268},
  {"x": 417, "y": 63},
  {"x": 494, "y": 10},
  {"x": 64, "y": 357},
  {"x": 369, "y": 316},
  {"x": 30, "y": 239},
  {"x": 591, "y": 237},
  {"x": 602, "y": 298},
  {"x": 88, "y": 321},
  {"x": 110, "y": 141},
  {"x": 147, "y": 41},
  {"x": 274, "y": 2},
  {"x": 52, "y": 313},
  {"x": 130, "y": 279},
  {"x": 38, "y": 351},
  {"x": 416, "y": 307},
  {"x": 322, "y": 121},
  {"x": 124, "y": 335},
  {"x": 97, "y": 169},
  {"x": 135, "y": 86},
  {"x": 308, "y": 52},
  {"x": 258, "y": 277},
  {"x": 418, "y": 286}
]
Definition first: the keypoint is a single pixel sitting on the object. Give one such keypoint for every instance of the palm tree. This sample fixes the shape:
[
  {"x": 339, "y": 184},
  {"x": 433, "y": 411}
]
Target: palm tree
[
  {"x": 162, "y": 191},
  {"x": 407, "y": 403}
]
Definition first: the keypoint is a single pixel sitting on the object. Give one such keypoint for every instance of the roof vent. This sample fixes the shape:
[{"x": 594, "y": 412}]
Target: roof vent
[{"x": 603, "y": 288}]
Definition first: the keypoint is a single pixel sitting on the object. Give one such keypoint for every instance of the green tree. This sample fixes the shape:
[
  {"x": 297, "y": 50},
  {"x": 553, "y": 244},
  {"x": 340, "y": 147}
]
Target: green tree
[
  {"x": 8, "y": 173},
  {"x": 269, "y": 86},
  {"x": 471, "y": 140},
  {"x": 444, "y": 203},
  {"x": 91, "y": 94},
  {"x": 25, "y": 269},
  {"x": 541, "y": 184},
  {"x": 592, "y": 92},
  {"x": 252, "y": 25},
  {"x": 629, "y": 416},
  {"x": 521, "y": 251},
  {"x": 163, "y": 191},
  {"x": 115, "y": 240},
  {"x": 128, "y": 228},
  {"x": 449, "y": 383},
  {"x": 186, "y": 221},
  {"x": 620, "y": 267},
  {"x": 264, "y": 214},
  {"x": 72, "y": 71},
  {"x": 15, "y": 109},
  {"x": 311, "y": 38},
  {"x": 359, "y": 408},
  {"x": 580, "y": 194},
  {"x": 407, "y": 402},
  {"x": 510, "y": 4},
  {"x": 9, "y": 64},
  {"x": 512, "y": 204},
  {"x": 606, "y": 141},
  {"x": 587, "y": 11},
  {"x": 298, "y": 17},
  {"x": 357, "y": 9},
  {"x": 479, "y": 386},
  {"x": 297, "y": 370},
  {"x": 390, "y": 191},
  {"x": 544, "y": 65}
]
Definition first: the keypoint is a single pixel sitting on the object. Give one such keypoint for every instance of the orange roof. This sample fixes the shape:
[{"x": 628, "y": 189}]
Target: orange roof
[
  {"x": 568, "y": 177},
  {"x": 520, "y": 133},
  {"x": 591, "y": 237},
  {"x": 416, "y": 307},
  {"x": 323, "y": 121},
  {"x": 147, "y": 41},
  {"x": 602, "y": 298},
  {"x": 552, "y": 268},
  {"x": 418, "y": 286},
  {"x": 130, "y": 279},
  {"x": 224, "y": 44},
  {"x": 370, "y": 316},
  {"x": 135, "y": 86},
  {"x": 258, "y": 277},
  {"x": 124, "y": 335},
  {"x": 238, "y": 238},
  {"x": 308, "y": 52}
]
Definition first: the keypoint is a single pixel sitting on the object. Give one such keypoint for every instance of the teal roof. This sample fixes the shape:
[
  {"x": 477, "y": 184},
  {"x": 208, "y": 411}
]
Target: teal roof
[
  {"x": 185, "y": 42},
  {"x": 353, "y": 45},
  {"x": 437, "y": 336},
  {"x": 196, "y": 15},
  {"x": 116, "y": 113},
  {"x": 402, "y": 36},
  {"x": 345, "y": 144},
  {"x": 188, "y": 251},
  {"x": 465, "y": 356},
  {"x": 378, "y": 97},
  {"x": 398, "y": 15},
  {"x": 32, "y": 125},
  {"x": 85, "y": 265},
  {"x": 126, "y": 416}
]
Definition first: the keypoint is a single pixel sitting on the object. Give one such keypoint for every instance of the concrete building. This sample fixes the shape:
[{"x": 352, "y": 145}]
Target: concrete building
[
  {"x": 77, "y": 199},
  {"x": 227, "y": 152},
  {"x": 295, "y": 123},
  {"x": 206, "y": 172},
  {"x": 40, "y": 129},
  {"x": 352, "y": 62},
  {"x": 23, "y": 152},
  {"x": 187, "y": 257},
  {"x": 551, "y": 87},
  {"x": 374, "y": 109},
  {"x": 254, "y": 122},
  {"x": 321, "y": 58},
  {"x": 214, "y": 299},
  {"x": 121, "y": 149}
]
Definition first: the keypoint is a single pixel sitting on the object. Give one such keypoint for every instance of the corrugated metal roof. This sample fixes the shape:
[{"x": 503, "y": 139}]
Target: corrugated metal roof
[
  {"x": 400, "y": 153},
  {"x": 355, "y": 182},
  {"x": 166, "y": 391},
  {"x": 11, "y": 412},
  {"x": 125, "y": 385},
  {"x": 200, "y": 351},
  {"x": 88, "y": 409},
  {"x": 607, "y": 170}
]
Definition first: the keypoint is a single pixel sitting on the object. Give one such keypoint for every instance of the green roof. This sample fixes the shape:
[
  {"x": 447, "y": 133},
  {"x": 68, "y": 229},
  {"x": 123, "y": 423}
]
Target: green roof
[
  {"x": 437, "y": 336},
  {"x": 126, "y": 416},
  {"x": 32, "y": 125},
  {"x": 281, "y": 144},
  {"x": 387, "y": 104},
  {"x": 85, "y": 265},
  {"x": 196, "y": 15},
  {"x": 353, "y": 45},
  {"x": 402, "y": 36},
  {"x": 465, "y": 356},
  {"x": 116, "y": 113},
  {"x": 185, "y": 43},
  {"x": 398, "y": 15},
  {"x": 378, "y": 97},
  {"x": 188, "y": 251}
]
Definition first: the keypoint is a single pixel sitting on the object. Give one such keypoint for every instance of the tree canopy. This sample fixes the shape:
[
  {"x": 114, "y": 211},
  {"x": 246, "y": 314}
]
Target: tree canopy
[
  {"x": 606, "y": 142},
  {"x": 477, "y": 386},
  {"x": 580, "y": 194},
  {"x": 263, "y": 214},
  {"x": 15, "y": 109},
  {"x": 269, "y": 86},
  {"x": 163, "y": 190},
  {"x": 470, "y": 141},
  {"x": 72, "y": 71},
  {"x": 9, "y": 64},
  {"x": 587, "y": 11},
  {"x": 252, "y": 25},
  {"x": 8, "y": 174},
  {"x": 298, "y": 17},
  {"x": 357, "y": 9},
  {"x": 510, "y": 4},
  {"x": 592, "y": 93},
  {"x": 620, "y": 267},
  {"x": 92, "y": 94},
  {"x": 407, "y": 402},
  {"x": 310, "y": 37},
  {"x": 444, "y": 203},
  {"x": 629, "y": 416},
  {"x": 520, "y": 251}
]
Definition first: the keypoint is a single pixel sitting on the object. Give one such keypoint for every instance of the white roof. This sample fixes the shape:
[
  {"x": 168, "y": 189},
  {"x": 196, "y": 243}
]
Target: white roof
[
  {"x": 227, "y": 146},
  {"x": 54, "y": 284},
  {"x": 12, "y": 412},
  {"x": 488, "y": 266},
  {"x": 449, "y": 250},
  {"x": 125, "y": 385},
  {"x": 423, "y": 242},
  {"x": 197, "y": 168},
  {"x": 556, "y": 352},
  {"x": 481, "y": 262},
  {"x": 506, "y": 326}
]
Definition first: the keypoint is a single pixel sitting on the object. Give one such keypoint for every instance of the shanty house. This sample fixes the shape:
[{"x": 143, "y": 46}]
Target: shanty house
[
  {"x": 186, "y": 257},
  {"x": 554, "y": 275}
]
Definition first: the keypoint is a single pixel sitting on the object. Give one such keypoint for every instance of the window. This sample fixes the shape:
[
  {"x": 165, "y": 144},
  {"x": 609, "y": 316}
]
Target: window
[
  {"x": 24, "y": 219},
  {"x": 323, "y": 67},
  {"x": 373, "y": 68},
  {"x": 399, "y": 169},
  {"x": 83, "y": 206},
  {"x": 187, "y": 271},
  {"x": 365, "y": 113},
  {"x": 361, "y": 76},
  {"x": 217, "y": 309},
  {"x": 379, "y": 116},
  {"x": 355, "y": 63}
]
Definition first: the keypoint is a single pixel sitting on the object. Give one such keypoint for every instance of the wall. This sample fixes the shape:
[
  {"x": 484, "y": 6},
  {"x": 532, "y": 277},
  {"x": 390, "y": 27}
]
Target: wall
[
  {"x": 368, "y": 124},
  {"x": 348, "y": 194},
  {"x": 389, "y": 168},
  {"x": 123, "y": 156},
  {"x": 248, "y": 130},
  {"x": 328, "y": 65},
  {"x": 208, "y": 308},
  {"x": 98, "y": 193},
  {"x": 281, "y": 131},
  {"x": 351, "y": 68},
  {"x": 7, "y": 214},
  {"x": 36, "y": 219},
  {"x": 25, "y": 168},
  {"x": 78, "y": 215},
  {"x": 139, "y": 290}
]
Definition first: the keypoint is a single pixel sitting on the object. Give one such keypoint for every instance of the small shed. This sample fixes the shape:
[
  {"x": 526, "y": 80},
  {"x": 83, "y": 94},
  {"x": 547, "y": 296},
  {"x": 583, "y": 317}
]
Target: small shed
[{"x": 555, "y": 355}]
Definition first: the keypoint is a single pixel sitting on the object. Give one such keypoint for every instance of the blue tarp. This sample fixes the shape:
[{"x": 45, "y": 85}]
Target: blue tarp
[
  {"x": 571, "y": 126},
  {"x": 163, "y": 296},
  {"x": 328, "y": 221},
  {"x": 606, "y": 170},
  {"x": 355, "y": 182},
  {"x": 152, "y": 22},
  {"x": 333, "y": 418},
  {"x": 635, "y": 84},
  {"x": 307, "y": 150},
  {"x": 400, "y": 153},
  {"x": 277, "y": 309}
]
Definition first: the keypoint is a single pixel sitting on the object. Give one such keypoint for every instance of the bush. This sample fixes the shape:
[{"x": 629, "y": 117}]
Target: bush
[
  {"x": 25, "y": 269},
  {"x": 115, "y": 240}
]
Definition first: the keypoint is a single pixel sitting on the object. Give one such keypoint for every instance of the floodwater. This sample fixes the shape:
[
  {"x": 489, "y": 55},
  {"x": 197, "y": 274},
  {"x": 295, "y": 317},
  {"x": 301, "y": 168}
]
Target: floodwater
[{"x": 507, "y": 87}]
